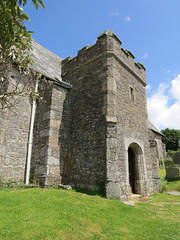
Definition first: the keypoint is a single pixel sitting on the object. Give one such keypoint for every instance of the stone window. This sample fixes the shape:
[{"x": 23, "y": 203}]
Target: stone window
[{"x": 132, "y": 94}]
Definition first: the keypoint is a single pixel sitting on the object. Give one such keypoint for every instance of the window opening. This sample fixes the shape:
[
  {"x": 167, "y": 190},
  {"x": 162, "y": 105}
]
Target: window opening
[{"x": 132, "y": 94}]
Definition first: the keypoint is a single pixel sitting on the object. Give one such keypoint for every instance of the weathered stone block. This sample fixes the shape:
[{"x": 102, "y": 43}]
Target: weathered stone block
[
  {"x": 172, "y": 173},
  {"x": 111, "y": 110},
  {"x": 2, "y": 135},
  {"x": 113, "y": 190},
  {"x": 111, "y": 85},
  {"x": 168, "y": 163},
  {"x": 52, "y": 160},
  {"x": 176, "y": 159}
]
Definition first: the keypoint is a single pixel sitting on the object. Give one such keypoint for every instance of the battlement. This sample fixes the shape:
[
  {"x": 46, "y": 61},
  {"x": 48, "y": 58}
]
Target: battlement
[{"x": 109, "y": 45}]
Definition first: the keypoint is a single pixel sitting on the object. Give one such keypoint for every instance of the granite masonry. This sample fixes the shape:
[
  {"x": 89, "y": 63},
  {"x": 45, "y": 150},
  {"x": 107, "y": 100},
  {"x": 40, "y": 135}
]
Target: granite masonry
[{"x": 91, "y": 127}]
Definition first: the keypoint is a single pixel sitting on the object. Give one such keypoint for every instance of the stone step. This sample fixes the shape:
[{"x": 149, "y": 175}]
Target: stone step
[{"x": 134, "y": 196}]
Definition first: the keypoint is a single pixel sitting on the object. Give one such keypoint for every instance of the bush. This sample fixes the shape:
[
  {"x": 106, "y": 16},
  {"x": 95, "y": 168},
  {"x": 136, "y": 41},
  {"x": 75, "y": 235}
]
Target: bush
[
  {"x": 170, "y": 153},
  {"x": 170, "y": 138}
]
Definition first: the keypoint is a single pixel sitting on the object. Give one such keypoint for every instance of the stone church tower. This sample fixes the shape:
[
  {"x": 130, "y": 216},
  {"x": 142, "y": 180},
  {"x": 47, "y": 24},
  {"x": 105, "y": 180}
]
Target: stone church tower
[
  {"x": 91, "y": 126},
  {"x": 109, "y": 121}
]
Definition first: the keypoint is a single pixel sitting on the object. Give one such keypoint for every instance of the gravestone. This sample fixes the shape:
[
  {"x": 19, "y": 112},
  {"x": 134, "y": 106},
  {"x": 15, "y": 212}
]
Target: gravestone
[
  {"x": 172, "y": 171},
  {"x": 176, "y": 158},
  {"x": 168, "y": 163}
]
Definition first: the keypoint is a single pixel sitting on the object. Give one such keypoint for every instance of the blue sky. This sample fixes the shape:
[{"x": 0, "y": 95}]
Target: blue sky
[{"x": 150, "y": 29}]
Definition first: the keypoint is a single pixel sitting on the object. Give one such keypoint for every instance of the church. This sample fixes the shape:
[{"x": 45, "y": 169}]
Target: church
[{"x": 84, "y": 123}]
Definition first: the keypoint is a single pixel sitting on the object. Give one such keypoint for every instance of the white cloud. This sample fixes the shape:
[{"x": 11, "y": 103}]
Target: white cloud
[
  {"x": 144, "y": 56},
  {"x": 148, "y": 87},
  {"x": 127, "y": 19},
  {"x": 161, "y": 113},
  {"x": 168, "y": 71},
  {"x": 175, "y": 89},
  {"x": 114, "y": 13}
]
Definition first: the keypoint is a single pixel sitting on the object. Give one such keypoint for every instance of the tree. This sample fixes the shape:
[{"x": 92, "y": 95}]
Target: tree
[
  {"x": 170, "y": 138},
  {"x": 15, "y": 42},
  {"x": 14, "y": 37}
]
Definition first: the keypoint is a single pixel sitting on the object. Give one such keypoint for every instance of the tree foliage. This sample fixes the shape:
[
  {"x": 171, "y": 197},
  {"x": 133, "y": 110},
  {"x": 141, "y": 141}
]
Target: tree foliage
[
  {"x": 15, "y": 43},
  {"x": 15, "y": 39},
  {"x": 170, "y": 138}
]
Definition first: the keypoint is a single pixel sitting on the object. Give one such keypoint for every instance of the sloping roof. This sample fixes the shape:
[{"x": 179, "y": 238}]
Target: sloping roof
[
  {"x": 45, "y": 62},
  {"x": 153, "y": 128}
]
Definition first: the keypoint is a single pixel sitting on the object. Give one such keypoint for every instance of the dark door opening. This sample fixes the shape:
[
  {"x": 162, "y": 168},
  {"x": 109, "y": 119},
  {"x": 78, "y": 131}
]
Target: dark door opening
[{"x": 131, "y": 160}]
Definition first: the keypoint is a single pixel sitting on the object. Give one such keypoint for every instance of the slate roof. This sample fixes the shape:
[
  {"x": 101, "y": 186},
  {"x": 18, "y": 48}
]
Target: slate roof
[
  {"x": 45, "y": 62},
  {"x": 153, "y": 128}
]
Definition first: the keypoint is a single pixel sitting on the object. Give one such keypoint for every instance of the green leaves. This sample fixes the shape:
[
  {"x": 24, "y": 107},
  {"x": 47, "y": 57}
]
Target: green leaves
[
  {"x": 15, "y": 39},
  {"x": 15, "y": 43},
  {"x": 41, "y": 3},
  {"x": 35, "y": 4},
  {"x": 170, "y": 138},
  {"x": 24, "y": 2}
]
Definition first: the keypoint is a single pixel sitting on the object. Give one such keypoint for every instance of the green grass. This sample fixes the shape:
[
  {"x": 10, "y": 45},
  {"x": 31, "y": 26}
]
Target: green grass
[
  {"x": 168, "y": 185},
  {"x": 162, "y": 172},
  {"x": 65, "y": 214}
]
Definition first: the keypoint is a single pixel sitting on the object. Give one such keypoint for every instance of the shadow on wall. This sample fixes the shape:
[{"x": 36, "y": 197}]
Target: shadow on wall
[
  {"x": 99, "y": 192},
  {"x": 66, "y": 160},
  {"x": 41, "y": 134}
]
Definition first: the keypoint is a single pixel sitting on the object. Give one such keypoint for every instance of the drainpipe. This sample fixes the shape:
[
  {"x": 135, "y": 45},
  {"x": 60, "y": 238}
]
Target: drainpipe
[{"x": 34, "y": 96}]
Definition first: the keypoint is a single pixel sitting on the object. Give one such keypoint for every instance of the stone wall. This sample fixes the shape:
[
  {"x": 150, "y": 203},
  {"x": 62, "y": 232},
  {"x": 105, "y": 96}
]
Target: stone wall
[
  {"x": 128, "y": 111},
  {"x": 14, "y": 130},
  {"x": 154, "y": 159},
  {"x": 51, "y": 136},
  {"x": 86, "y": 162}
]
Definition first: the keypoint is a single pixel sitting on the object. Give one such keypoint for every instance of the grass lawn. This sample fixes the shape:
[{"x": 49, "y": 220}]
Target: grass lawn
[
  {"x": 66, "y": 214},
  {"x": 168, "y": 185}
]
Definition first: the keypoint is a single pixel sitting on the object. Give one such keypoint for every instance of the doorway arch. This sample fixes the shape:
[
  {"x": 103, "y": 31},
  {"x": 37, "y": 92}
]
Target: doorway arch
[
  {"x": 132, "y": 172},
  {"x": 134, "y": 166}
]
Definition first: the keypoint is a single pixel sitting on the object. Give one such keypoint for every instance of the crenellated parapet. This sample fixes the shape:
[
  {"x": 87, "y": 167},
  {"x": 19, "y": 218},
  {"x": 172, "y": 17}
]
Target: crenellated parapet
[
  {"x": 107, "y": 45},
  {"x": 85, "y": 56},
  {"x": 124, "y": 57}
]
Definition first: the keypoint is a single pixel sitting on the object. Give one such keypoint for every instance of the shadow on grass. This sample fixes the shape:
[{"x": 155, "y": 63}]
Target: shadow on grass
[
  {"x": 90, "y": 192},
  {"x": 172, "y": 180}
]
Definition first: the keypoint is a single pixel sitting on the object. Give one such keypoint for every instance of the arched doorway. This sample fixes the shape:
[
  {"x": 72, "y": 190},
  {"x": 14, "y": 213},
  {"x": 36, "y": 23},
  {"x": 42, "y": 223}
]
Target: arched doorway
[
  {"x": 134, "y": 167},
  {"x": 132, "y": 170}
]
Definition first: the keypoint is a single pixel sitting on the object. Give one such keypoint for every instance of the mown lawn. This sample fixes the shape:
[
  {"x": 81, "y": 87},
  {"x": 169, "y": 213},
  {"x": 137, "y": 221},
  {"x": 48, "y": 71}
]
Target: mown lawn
[
  {"x": 66, "y": 214},
  {"x": 168, "y": 185}
]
